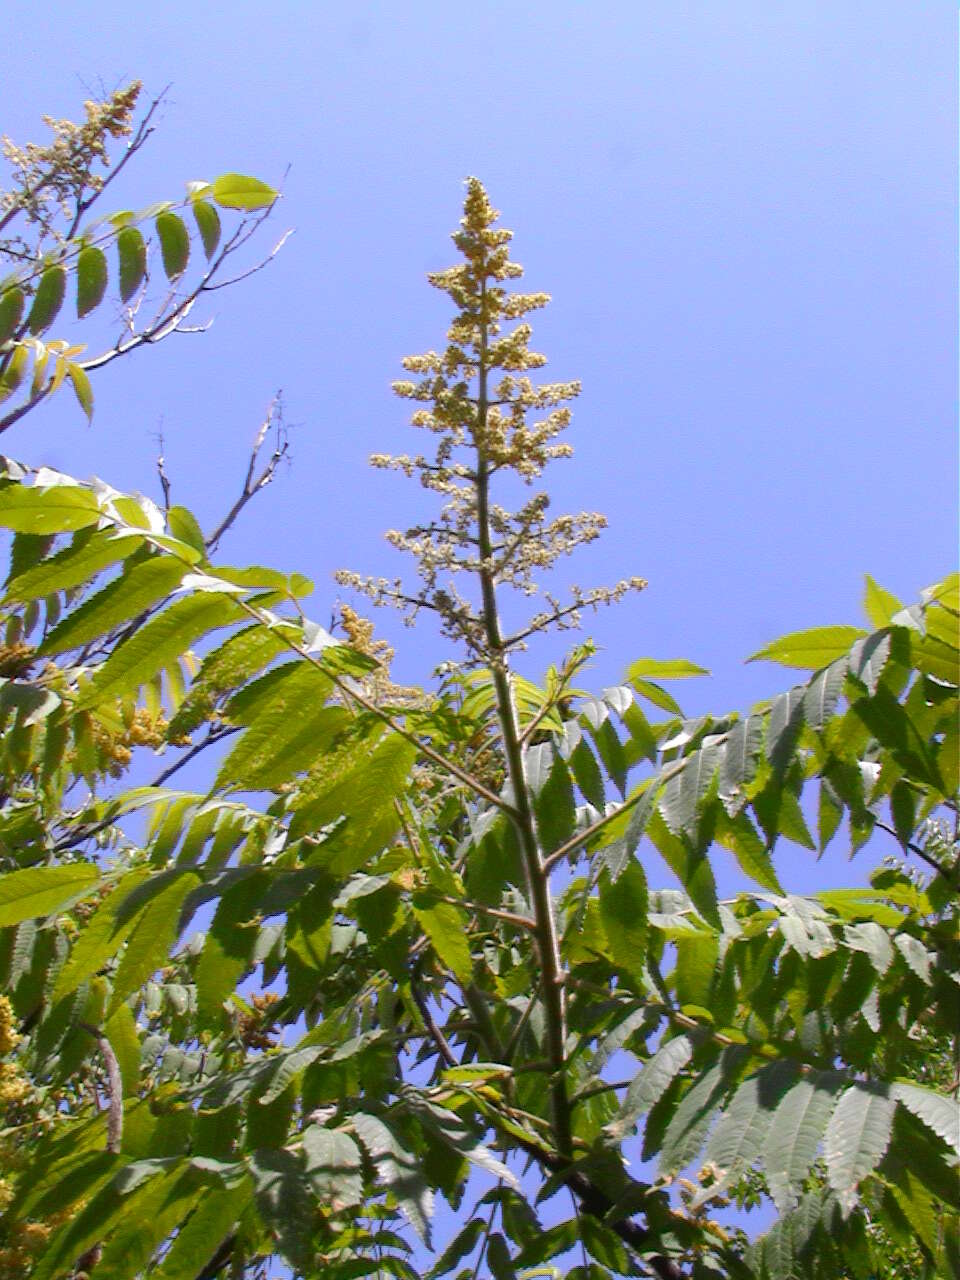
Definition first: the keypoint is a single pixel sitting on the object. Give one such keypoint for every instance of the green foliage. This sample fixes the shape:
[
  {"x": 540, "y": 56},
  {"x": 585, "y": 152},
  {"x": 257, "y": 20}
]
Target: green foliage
[
  {"x": 48, "y": 248},
  {"x": 432, "y": 943}
]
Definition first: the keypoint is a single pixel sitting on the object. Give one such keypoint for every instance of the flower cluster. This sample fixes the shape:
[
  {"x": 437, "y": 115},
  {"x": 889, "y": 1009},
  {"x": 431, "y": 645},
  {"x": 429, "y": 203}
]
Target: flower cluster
[
  {"x": 489, "y": 420},
  {"x": 56, "y": 177}
]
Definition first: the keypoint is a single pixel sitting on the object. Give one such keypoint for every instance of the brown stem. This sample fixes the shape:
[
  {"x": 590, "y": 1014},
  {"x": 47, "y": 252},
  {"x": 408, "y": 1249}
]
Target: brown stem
[
  {"x": 114, "y": 1088},
  {"x": 554, "y": 996}
]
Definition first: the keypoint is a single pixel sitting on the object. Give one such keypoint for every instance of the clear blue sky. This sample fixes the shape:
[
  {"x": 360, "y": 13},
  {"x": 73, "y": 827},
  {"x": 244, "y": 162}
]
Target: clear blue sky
[{"x": 745, "y": 213}]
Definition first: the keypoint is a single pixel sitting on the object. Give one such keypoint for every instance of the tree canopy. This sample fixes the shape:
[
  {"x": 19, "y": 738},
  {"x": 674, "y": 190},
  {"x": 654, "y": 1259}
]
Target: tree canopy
[{"x": 460, "y": 942}]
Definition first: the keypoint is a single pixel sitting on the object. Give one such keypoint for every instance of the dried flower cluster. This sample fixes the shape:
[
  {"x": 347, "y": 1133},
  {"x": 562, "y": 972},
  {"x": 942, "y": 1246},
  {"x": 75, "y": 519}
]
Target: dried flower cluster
[
  {"x": 56, "y": 178},
  {"x": 478, "y": 402}
]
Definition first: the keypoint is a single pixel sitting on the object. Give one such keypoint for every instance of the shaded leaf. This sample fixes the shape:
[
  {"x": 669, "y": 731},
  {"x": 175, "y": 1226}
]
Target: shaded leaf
[
  {"x": 81, "y": 388},
  {"x": 91, "y": 271},
  {"x": 650, "y": 1084},
  {"x": 48, "y": 299},
  {"x": 333, "y": 1167},
  {"x": 855, "y": 1139},
  {"x": 174, "y": 243},
  {"x": 132, "y": 256},
  {"x": 795, "y": 1134},
  {"x": 11, "y": 312},
  {"x": 208, "y": 224}
]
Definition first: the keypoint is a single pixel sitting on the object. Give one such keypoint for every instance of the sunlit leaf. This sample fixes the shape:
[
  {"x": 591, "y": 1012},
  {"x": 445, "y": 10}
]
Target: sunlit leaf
[{"x": 237, "y": 191}]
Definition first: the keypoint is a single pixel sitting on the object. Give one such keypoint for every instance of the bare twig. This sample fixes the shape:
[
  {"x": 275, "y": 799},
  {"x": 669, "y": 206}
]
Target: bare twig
[
  {"x": 164, "y": 478},
  {"x": 436, "y": 1035},
  {"x": 252, "y": 271},
  {"x": 253, "y": 482},
  {"x": 214, "y": 736}
]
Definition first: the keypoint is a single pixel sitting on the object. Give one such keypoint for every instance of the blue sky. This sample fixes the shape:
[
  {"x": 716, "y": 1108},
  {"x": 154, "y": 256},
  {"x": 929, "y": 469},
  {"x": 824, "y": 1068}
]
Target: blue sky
[{"x": 745, "y": 213}]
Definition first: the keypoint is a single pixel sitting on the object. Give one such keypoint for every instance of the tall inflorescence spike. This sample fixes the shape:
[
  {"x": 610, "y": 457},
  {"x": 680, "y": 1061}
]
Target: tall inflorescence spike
[{"x": 488, "y": 419}]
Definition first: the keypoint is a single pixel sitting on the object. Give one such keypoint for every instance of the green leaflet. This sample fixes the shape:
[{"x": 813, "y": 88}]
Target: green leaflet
[
  {"x": 94, "y": 1222},
  {"x": 650, "y": 1085},
  {"x": 240, "y": 657},
  {"x": 11, "y": 311},
  {"x": 446, "y": 927},
  {"x": 91, "y": 270},
  {"x": 664, "y": 669},
  {"x": 88, "y": 554},
  {"x": 333, "y": 1167},
  {"x": 287, "y": 732},
  {"x": 151, "y": 1214},
  {"x": 740, "y": 836},
  {"x": 156, "y": 645},
  {"x": 38, "y": 891},
  {"x": 135, "y": 591},
  {"x": 48, "y": 299},
  {"x": 365, "y": 796},
  {"x": 462, "y": 1244},
  {"x": 878, "y": 604},
  {"x": 183, "y": 525},
  {"x": 208, "y": 224},
  {"x": 229, "y": 943},
  {"x": 132, "y": 257},
  {"x": 60, "y": 509},
  {"x": 121, "y": 1031},
  {"x": 208, "y": 1226},
  {"x": 103, "y": 935},
  {"x": 16, "y": 367},
  {"x": 691, "y": 867},
  {"x": 156, "y": 929},
  {"x": 51, "y": 1186},
  {"x": 697, "y": 959},
  {"x": 938, "y": 1113},
  {"x": 856, "y": 1137},
  {"x": 174, "y": 243},
  {"x": 795, "y": 1133},
  {"x": 811, "y": 649},
  {"x": 238, "y": 191},
  {"x": 623, "y": 913},
  {"x": 498, "y": 1258}
]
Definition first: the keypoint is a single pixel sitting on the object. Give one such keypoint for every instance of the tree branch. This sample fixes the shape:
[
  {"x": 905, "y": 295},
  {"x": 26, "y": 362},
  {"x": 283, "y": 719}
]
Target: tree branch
[
  {"x": 253, "y": 483},
  {"x": 114, "y": 1088}
]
